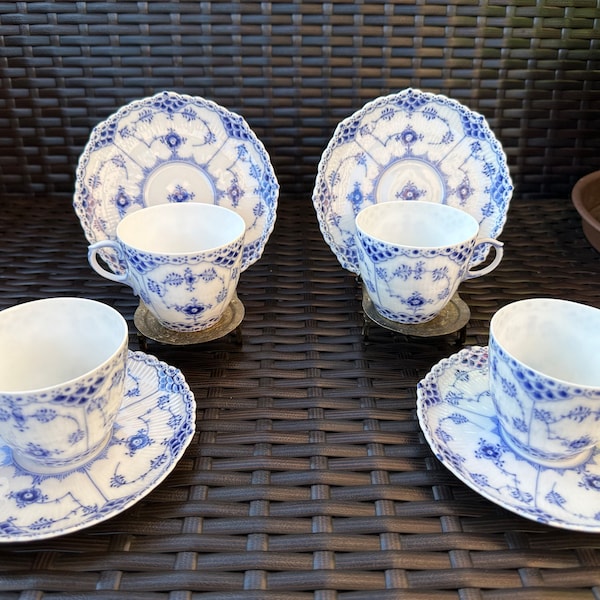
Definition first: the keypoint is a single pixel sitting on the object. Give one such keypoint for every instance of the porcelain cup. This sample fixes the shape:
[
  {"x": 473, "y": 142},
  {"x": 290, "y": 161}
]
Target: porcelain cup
[
  {"x": 544, "y": 379},
  {"x": 413, "y": 255},
  {"x": 182, "y": 259},
  {"x": 62, "y": 376}
]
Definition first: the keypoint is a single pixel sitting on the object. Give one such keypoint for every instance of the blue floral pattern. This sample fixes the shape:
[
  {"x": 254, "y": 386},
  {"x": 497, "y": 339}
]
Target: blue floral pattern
[
  {"x": 532, "y": 402},
  {"x": 410, "y": 285},
  {"x": 83, "y": 405},
  {"x": 457, "y": 416},
  {"x": 154, "y": 426},
  {"x": 212, "y": 154},
  {"x": 409, "y": 140},
  {"x": 186, "y": 292}
]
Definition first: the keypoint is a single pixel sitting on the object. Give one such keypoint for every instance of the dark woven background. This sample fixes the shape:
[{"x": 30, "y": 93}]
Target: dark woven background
[{"x": 295, "y": 69}]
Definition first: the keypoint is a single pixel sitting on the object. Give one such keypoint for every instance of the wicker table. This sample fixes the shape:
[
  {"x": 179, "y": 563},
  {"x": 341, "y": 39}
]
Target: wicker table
[{"x": 308, "y": 477}]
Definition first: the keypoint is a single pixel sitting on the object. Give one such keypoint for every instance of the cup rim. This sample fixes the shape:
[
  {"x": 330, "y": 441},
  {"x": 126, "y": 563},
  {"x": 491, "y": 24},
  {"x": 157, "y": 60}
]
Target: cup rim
[
  {"x": 510, "y": 306},
  {"x": 437, "y": 206},
  {"x": 134, "y": 215},
  {"x": 73, "y": 300}
]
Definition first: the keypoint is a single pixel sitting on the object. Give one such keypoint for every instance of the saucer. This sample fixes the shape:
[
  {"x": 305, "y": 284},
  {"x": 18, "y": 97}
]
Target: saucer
[
  {"x": 411, "y": 145},
  {"x": 456, "y": 415},
  {"x": 149, "y": 326},
  {"x": 153, "y": 428},
  {"x": 175, "y": 148}
]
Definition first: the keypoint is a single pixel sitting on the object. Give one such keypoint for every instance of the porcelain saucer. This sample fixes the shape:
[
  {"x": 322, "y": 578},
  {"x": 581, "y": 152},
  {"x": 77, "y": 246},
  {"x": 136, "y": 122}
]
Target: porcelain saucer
[
  {"x": 175, "y": 148},
  {"x": 411, "y": 145},
  {"x": 456, "y": 415},
  {"x": 154, "y": 427}
]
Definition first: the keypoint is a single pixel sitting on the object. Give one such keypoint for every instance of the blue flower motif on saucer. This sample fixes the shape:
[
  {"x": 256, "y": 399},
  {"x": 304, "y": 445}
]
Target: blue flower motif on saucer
[
  {"x": 181, "y": 194},
  {"x": 409, "y": 136},
  {"x": 137, "y": 441},
  {"x": 28, "y": 496},
  {"x": 173, "y": 140},
  {"x": 410, "y": 191},
  {"x": 356, "y": 197},
  {"x": 457, "y": 416},
  {"x": 489, "y": 451}
]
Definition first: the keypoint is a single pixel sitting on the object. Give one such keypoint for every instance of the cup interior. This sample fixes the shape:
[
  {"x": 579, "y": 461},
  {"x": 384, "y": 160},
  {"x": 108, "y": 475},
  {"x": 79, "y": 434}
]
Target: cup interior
[
  {"x": 558, "y": 338},
  {"x": 181, "y": 228},
  {"x": 417, "y": 224},
  {"x": 48, "y": 342}
]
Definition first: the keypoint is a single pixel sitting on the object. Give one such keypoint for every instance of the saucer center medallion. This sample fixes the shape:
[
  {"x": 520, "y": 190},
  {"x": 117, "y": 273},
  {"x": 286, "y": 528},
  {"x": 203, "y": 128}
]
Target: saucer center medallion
[
  {"x": 410, "y": 179},
  {"x": 178, "y": 181}
]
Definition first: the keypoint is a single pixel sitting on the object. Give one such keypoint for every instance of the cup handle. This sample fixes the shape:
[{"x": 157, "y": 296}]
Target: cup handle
[
  {"x": 93, "y": 260},
  {"x": 499, "y": 251}
]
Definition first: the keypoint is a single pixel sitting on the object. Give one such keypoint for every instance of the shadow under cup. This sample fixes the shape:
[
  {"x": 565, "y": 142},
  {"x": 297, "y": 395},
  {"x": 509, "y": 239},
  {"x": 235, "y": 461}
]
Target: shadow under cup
[
  {"x": 413, "y": 255},
  {"x": 544, "y": 369},
  {"x": 62, "y": 377},
  {"x": 183, "y": 260}
]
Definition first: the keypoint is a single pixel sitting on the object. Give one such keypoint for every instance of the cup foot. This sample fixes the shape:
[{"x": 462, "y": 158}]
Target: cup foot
[
  {"x": 568, "y": 462},
  {"x": 55, "y": 467}
]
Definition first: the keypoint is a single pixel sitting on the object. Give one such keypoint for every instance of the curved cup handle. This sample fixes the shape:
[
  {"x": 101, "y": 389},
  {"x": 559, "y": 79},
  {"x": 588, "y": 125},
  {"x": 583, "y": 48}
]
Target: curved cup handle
[
  {"x": 93, "y": 260},
  {"x": 499, "y": 250}
]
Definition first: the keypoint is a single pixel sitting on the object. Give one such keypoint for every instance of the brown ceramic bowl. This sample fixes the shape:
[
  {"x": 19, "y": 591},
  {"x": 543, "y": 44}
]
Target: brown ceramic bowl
[{"x": 586, "y": 199}]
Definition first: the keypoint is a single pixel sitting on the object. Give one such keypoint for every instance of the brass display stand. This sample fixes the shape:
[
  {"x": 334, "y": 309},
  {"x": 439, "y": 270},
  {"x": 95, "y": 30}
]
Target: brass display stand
[
  {"x": 452, "y": 319},
  {"x": 150, "y": 329}
]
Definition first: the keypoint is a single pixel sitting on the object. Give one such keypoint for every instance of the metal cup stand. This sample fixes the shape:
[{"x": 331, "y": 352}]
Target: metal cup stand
[
  {"x": 150, "y": 329},
  {"x": 452, "y": 319}
]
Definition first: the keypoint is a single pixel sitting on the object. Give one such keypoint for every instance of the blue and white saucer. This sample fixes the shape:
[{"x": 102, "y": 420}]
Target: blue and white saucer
[
  {"x": 456, "y": 414},
  {"x": 175, "y": 148},
  {"x": 411, "y": 145},
  {"x": 153, "y": 428}
]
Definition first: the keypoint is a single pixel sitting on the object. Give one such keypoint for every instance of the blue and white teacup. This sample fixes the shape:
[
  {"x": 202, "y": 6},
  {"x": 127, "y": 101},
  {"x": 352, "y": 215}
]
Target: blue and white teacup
[
  {"x": 182, "y": 259},
  {"x": 413, "y": 255},
  {"x": 544, "y": 379},
  {"x": 62, "y": 377}
]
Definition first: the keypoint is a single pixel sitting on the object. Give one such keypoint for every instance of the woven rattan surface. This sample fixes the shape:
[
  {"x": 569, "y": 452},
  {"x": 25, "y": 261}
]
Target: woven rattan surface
[
  {"x": 308, "y": 477},
  {"x": 294, "y": 69}
]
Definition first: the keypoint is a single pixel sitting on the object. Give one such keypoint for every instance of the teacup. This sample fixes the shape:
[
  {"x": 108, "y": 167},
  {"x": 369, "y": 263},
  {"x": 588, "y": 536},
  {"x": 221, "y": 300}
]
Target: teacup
[
  {"x": 183, "y": 261},
  {"x": 544, "y": 379},
  {"x": 61, "y": 380},
  {"x": 413, "y": 255}
]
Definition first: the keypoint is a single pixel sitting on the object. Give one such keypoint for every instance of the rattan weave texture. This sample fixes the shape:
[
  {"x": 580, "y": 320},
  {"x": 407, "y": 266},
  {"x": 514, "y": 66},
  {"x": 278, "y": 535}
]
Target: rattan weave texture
[
  {"x": 308, "y": 478},
  {"x": 295, "y": 69}
]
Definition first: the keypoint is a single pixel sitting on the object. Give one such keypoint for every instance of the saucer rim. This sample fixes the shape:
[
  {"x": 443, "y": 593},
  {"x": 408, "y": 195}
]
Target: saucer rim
[
  {"x": 436, "y": 445},
  {"x": 188, "y": 401}
]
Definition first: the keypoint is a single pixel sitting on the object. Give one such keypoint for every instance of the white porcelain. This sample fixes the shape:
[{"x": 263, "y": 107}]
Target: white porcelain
[
  {"x": 458, "y": 418},
  {"x": 411, "y": 145},
  {"x": 182, "y": 260},
  {"x": 154, "y": 426},
  {"x": 171, "y": 148},
  {"x": 412, "y": 256},
  {"x": 545, "y": 378},
  {"x": 61, "y": 380}
]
